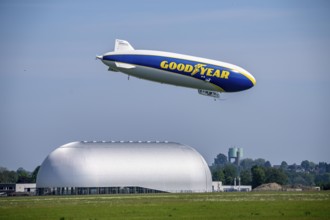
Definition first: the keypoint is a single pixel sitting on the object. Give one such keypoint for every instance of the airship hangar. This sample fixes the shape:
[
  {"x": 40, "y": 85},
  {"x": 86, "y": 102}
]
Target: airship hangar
[{"x": 111, "y": 167}]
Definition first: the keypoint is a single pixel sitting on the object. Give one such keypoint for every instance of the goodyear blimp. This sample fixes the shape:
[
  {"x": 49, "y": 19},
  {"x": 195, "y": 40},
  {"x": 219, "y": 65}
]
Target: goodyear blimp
[{"x": 208, "y": 76}]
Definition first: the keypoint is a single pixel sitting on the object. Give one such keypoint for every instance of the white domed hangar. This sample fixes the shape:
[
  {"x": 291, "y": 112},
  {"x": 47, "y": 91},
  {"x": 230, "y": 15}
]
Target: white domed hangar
[{"x": 94, "y": 167}]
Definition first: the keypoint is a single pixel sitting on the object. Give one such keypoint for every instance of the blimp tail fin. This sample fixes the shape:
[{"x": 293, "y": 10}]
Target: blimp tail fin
[{"x": 122, "y": 45}]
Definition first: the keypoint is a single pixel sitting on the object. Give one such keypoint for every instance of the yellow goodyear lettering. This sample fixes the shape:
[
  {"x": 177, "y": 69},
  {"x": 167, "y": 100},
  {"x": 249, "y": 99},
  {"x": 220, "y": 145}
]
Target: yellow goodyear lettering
[
  {"x": 164, "y": 64},
  {"x": 216, "y": 73},
  {"x": 188, "y": 68},
  {"x": 202, "y": 69},
  {"x": 225, "y": 74},
  {"x": 181, "y": 67},
  {"x": 209, "y": 72},
  {"x": 172, "y": 66}
]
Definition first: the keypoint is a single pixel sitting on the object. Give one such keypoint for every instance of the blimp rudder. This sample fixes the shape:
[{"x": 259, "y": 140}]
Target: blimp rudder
[
  {"x": 92, "y": 167},
  {"x": 122, "y": 45}
]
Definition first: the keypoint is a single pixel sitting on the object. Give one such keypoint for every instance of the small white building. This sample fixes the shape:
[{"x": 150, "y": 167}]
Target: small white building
[
  {"x": 218, "y": 187},
  {"x": 17, "y": 188},
  {"x": 25, "y": 187}
]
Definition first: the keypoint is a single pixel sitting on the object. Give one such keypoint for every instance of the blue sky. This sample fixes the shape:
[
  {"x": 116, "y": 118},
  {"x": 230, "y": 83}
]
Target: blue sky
[{"x": 53, "y": 91}]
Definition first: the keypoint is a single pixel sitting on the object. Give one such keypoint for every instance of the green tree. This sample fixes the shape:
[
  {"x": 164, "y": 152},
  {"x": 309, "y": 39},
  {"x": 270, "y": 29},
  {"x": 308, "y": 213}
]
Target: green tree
[
  {"x": 220, "y": 160},
  {"x": 323, "y": 167},
  {"x": 247, "y": 164},
  {"x": 284, "y": 165},
  {"x": 258, "y": 176},
  {"x": 230, "y": 172},
  {"x": 274, "y": 175},
  {"x": 7, "y": 176},
  {"x": 328, "y": 168},
  {"x": 305, "y": 165},
  {"x": 267, "y": 164},
  {"x": 322, "y": 179},
  {"x": 305, "y": 179},
  {"x": 217, "y": 173},
  {"x": 23, "y": 176},
  {"x": 309, "y": 178},
  {"x": 34, "y": 174},
  {"x": 312, "y": 166},
  {"x": 246, "y": 177},
  {"x": 259, "y": 162}
]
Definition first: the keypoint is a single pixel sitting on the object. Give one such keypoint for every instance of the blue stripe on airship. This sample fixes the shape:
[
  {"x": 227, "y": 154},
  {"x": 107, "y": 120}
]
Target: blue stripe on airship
[{"x": 233, "y": 83}]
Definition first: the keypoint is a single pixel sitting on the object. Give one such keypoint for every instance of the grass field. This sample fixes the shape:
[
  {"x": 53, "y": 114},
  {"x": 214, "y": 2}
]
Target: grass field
[{"x": 252, "y": 205}]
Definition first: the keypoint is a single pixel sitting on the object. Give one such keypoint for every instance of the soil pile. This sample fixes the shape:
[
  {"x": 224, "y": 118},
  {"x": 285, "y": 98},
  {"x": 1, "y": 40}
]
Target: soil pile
[{"x": 268, "y": 187}]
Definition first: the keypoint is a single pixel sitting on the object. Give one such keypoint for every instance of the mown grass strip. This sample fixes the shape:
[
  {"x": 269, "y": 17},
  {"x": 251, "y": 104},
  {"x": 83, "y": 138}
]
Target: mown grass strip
[{"x": 255, "y": 205}]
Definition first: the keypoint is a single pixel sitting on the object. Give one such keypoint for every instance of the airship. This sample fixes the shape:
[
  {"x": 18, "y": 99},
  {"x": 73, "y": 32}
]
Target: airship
[{"x": 209, "y": 77}]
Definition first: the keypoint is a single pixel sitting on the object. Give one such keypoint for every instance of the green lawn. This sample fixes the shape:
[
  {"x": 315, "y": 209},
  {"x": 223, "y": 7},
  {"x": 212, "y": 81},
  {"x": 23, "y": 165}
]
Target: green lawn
[{"x": 252, "y": 205}]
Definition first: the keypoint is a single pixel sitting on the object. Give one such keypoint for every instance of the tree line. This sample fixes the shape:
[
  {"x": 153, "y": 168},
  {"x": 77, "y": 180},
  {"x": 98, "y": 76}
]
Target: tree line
[
  {"x": 251, "y": 172},
  {"x": 259, "y": 171},
  {"x": 19, "y": 176}
]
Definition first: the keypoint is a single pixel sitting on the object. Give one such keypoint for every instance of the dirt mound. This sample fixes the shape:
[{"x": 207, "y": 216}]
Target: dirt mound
[{"x": 268, "y": 187}]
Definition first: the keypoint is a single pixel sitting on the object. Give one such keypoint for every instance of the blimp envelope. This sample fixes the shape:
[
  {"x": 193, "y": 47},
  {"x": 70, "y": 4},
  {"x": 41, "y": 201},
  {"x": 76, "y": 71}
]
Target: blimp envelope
[{"x": 206, "y": 75}]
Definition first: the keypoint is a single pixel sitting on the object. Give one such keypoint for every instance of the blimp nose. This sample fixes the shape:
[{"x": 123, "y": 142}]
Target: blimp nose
[
  {"x": 244, "y": 81},
  {"x": 99, "y": 57},
  {"x": 249, "y": 81},
  {"x": 252, "y": 79}
]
